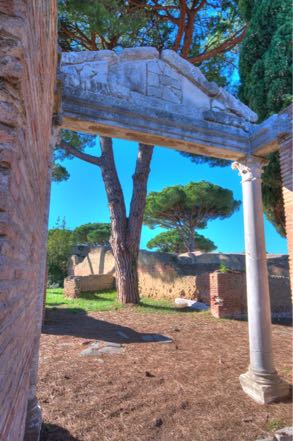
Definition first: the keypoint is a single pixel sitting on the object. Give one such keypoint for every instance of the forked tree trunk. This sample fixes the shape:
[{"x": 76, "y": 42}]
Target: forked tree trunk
[{"x": 126, "y": 232}]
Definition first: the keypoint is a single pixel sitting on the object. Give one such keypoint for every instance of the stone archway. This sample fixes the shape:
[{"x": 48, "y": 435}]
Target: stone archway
[
  {"x": 197, "y": 116},
  {"x": 160, "y": 98}
]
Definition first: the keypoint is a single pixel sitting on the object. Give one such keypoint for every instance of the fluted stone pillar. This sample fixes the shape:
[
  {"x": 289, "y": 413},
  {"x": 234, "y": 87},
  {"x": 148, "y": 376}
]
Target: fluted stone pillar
[{"x": 261, "y": 382}]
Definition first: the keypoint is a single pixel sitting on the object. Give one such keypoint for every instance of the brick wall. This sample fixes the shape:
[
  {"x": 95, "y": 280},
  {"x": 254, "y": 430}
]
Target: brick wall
[
  {"x": 286, "y": 160},
  {"x": 27, "y": 70},
  {"x": 226, "y": 294}
]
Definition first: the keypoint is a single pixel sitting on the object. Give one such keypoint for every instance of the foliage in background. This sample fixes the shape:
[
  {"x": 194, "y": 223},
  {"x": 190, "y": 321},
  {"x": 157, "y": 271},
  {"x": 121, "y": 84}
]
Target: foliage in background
[
  {"x": 205, "y": 33},
  {"x": 266, "y": 82},
  {"x": 185, "y": 208},
  {"x": 171, "y": 242},
  {"x": 59, "y": 249},
  {"x": 60, "y": 243},
  {"x": 92, "y": 233},
  {"x": 80, "y": 141}
]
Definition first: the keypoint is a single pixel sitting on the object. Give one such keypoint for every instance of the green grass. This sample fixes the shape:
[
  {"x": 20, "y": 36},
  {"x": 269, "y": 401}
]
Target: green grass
[
  {"x": 274, "y": 425},
  {"x": 106, "y": 301}
]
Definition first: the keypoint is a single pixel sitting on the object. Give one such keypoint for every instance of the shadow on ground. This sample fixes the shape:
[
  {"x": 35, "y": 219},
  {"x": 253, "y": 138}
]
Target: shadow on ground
[
  {"x": 51, "y": 432},
  {"x": 77, "y": 323}
]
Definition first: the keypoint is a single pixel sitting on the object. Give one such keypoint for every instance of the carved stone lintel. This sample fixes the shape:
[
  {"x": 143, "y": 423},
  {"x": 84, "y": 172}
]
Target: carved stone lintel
[{"x": 250, "y": 168}]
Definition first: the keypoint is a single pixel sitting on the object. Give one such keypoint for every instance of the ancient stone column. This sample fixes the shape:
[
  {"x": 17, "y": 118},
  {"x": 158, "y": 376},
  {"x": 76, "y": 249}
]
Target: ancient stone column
[{"x": 261, "y": 382}]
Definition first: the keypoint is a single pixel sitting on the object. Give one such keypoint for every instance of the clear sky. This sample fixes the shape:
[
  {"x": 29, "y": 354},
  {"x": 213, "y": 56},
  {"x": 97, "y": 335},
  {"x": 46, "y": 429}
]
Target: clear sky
[{"x": 82, "y": 198}]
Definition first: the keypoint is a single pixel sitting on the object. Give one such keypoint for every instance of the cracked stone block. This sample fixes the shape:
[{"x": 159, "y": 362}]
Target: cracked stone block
[
  {"x": 172, "y": 95},
  {"x": 154, "y": 91},
  {"x": 153, "y": 79},
  {"x": 156, "y": 66},
  {"x": 131, "y": 75},
  {"x": 169, "y": 81}
]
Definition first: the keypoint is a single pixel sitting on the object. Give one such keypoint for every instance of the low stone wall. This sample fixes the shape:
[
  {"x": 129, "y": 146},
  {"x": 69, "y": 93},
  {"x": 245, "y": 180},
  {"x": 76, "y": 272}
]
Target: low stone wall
[
  {"x": 192, "y": 276},
  {"x": 75, "y": 285}
]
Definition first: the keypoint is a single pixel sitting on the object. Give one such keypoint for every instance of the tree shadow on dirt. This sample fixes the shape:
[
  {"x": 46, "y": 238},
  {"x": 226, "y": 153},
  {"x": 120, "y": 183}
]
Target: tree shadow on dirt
[
  {"x": 52, "y": 432},
  {"x": 77, "y": 323}
]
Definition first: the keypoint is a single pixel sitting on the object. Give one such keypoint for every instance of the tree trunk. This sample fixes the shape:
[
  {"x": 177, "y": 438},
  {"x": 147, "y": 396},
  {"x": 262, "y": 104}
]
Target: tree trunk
[
  {"x": 125, "y": 236},
  {"x": 126, "y": 276},
  {"x": 191, "y": 241}
]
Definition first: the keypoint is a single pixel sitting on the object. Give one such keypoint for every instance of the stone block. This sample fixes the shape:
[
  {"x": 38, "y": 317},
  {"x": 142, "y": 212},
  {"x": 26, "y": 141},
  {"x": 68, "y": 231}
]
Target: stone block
[
  {"x": 172, "y": 95},
  {"x": 264, "y": 393},
  {"x": 88, "y": 56},
  {"x": 153, "y": 79},
  {"x": 156, "y": 66},
  {"x": 139, "y": 53},
  {"x": 154, "y": 91}
]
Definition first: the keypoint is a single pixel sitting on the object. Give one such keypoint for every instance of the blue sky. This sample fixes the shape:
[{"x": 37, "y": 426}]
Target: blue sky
[{"x": 82, "y": 198}]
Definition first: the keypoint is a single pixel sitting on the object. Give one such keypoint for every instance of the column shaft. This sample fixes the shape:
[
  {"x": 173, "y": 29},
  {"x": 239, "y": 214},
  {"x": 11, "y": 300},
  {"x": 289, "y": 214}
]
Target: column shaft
[{"x": 261, "y": 382}]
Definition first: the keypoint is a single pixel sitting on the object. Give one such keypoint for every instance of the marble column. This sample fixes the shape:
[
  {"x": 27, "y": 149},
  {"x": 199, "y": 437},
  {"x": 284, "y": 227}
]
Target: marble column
[{"x": 261, "y": 382}]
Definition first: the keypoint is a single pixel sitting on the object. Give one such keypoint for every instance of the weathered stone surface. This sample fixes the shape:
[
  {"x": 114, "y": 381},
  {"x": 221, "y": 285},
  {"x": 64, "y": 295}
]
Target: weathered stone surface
[
  {"x": 88, "y": 56},
  {"x": 194, "y": 74},
  {"x": 139, "y": 53},
  {"x": 264, "y": 393},
  {"x": 139, "y": 95}
]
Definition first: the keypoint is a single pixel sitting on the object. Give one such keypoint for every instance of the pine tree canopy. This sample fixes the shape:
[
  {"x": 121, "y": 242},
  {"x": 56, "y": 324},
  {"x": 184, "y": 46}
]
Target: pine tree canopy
[
  {"x": 172, "y": 242},
  {"x": 188, "y": 207}
]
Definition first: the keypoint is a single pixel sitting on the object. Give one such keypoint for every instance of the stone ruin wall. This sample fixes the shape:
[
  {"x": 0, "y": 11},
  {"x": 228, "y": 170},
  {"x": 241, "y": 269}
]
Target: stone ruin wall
[
  {"x": 27, "y": 70},
  {"x": 163, "y": 275},
  {"x": 74, "y": 286}
]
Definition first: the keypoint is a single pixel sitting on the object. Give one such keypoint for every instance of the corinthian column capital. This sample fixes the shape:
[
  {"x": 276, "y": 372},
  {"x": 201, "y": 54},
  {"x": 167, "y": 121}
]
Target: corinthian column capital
[{"x": 250, "y": 168}]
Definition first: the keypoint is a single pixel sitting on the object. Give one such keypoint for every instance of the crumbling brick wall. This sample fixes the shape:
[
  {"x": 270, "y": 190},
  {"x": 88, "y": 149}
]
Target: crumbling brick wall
[
  {"x": 226, "y": 294},
  {"x": 27, "y": 70}
]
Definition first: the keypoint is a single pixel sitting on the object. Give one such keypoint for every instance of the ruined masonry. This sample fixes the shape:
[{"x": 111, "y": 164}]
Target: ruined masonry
[{"x": 141, "y": 95}]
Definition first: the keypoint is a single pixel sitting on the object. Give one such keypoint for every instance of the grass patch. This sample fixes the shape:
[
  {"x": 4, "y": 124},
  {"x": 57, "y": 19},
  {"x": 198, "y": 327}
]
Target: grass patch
[
  {"x": 274, "y": 425},
  {"x": 102, "y": 301},
  {"x": 107, "y": 301}
]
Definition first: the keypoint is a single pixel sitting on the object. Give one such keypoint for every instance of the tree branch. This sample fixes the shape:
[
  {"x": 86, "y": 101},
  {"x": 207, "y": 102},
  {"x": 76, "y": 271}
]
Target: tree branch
[
  {"x": 223, "y": 47},
  {"x": 138, "y": 200},
  {"x": 81, "y": 155}
]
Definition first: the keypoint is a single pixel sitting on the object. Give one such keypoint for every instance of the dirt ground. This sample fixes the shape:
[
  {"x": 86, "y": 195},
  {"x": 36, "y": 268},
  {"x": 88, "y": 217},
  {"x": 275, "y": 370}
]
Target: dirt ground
[{"x": 187, "y": 390}]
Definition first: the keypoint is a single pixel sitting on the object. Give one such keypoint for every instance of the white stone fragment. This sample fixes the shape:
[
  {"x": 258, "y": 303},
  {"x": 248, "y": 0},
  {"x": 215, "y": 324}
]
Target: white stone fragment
[{"x": 285, "y": 434}]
